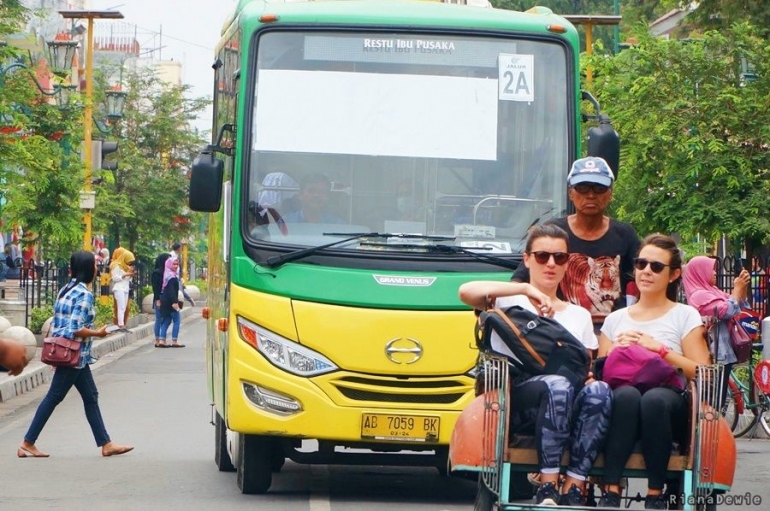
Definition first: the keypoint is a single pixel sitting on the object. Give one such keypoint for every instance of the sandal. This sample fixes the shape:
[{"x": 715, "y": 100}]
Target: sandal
[
  {"x": 161, "y": 344},
  {"x": 116, "y": 450},
  {"x": 176, "y": 345},
  {"x": 24, "y": 452}
]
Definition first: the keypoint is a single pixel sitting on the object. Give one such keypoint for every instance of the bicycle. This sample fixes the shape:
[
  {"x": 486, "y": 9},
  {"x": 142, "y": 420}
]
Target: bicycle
[{"x": 746, "y": 394}]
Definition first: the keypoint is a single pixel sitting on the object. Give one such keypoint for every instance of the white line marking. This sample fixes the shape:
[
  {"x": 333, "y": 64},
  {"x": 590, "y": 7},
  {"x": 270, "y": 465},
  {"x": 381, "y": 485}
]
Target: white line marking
[{"x": 319, "y": 488}]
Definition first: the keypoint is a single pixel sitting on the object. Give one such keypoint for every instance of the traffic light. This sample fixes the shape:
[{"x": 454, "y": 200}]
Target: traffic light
[{"x": 108, "y": 148}]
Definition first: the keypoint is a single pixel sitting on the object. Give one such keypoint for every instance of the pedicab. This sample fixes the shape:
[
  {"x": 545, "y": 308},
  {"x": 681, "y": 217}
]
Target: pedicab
[{"x": 699, "y": 470}]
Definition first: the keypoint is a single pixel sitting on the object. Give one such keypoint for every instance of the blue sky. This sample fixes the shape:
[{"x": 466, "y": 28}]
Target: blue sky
[{"x": 187, "y": 30}]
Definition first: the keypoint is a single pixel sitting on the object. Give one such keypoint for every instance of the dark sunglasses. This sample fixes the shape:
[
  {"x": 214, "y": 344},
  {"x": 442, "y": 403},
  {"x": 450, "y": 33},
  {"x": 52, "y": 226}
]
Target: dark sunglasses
[
  {"x": 641, "y": 263},
  {"x": 583, "y": 189},
  {"x": 542, "y": 257}
]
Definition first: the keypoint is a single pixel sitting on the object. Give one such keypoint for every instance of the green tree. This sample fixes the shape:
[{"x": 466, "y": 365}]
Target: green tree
[
  {"x": 143, "y": 204},
  {"x": 38, "y": 168},
  {"x": 694, "y": 156},
  {"x": 721, "y": 14},
  {"x": 633, "y": 12}
]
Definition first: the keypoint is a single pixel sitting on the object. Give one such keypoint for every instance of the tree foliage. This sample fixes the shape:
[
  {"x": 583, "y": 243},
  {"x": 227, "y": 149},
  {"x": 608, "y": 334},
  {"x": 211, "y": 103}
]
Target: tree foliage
[
  {"x": 39, "y": 170},
  {"x": 721, "y": 14},
  {"x": 694, "y": 155},
  {"x": 633, "y": 12},
  {"x": 143, "y": 202}
]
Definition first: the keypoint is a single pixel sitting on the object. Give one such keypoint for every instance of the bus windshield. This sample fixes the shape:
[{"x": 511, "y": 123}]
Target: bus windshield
[{"x": 434, "y": 134}]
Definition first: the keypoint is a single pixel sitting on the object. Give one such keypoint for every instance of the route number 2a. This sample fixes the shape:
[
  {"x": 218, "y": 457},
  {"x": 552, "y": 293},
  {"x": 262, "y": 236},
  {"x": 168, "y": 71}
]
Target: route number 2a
[{"x": 516, "y": 77}]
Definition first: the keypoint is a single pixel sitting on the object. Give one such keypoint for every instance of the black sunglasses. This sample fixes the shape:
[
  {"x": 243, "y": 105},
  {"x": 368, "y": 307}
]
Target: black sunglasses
[
  {"x": 583, "y": 189},
  {"x": 641, "y": 263},
  {"x": 542, "y": 257}
]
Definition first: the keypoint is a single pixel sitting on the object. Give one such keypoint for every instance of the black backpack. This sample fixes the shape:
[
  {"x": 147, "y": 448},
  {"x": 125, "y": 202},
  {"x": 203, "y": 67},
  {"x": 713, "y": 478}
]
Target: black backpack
[{"x": 540, "y": 345}]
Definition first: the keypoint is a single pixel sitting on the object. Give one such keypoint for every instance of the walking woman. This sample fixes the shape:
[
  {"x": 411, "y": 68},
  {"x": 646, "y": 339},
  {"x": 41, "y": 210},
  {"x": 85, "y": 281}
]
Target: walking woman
[
  {"x": 73, "y": 319},
  {"x": 548, "y": 406},
  {"x": 121, "y": 272},
  {"x": 675, "y": 332},
  {"x": 169, "y": 302},
  {"x": 157, "y": 287}
]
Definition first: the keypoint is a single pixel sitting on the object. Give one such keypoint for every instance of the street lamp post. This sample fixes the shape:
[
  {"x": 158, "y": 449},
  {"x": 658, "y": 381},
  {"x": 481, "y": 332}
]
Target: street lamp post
[
  {"x": 89, "y": 107},
  {"x": 61, "y": 55}
]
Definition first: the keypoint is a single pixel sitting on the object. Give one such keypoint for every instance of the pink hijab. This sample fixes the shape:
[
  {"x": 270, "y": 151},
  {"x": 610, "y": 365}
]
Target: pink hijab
[
  {"x": 696, "y": 277},
  {"x": 169, "y": 272}
]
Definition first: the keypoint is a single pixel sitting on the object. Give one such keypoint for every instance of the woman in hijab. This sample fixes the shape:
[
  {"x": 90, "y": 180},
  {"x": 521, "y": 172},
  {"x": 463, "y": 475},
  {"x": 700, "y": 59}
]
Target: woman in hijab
[
  {"x": 121, "y": 271},
  {"x": 169, "y": 302},
  {"x": 699, "y": 279},
  {"x": 157, "y": 287}
]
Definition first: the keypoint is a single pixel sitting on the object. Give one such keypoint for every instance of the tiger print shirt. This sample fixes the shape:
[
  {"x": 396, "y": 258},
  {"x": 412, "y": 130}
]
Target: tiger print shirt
[{"x": 598, "y": 270}]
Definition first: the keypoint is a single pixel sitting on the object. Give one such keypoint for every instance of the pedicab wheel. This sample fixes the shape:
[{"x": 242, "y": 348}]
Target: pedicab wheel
[{"x": 486, "y": 500}]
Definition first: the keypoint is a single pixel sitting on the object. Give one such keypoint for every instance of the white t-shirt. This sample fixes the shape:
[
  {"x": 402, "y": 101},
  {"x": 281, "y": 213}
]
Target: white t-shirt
[
  {"x": 574, "y": 318},
  {"x": 668, "y": 329},
  {"x": 120, "y": 282}
]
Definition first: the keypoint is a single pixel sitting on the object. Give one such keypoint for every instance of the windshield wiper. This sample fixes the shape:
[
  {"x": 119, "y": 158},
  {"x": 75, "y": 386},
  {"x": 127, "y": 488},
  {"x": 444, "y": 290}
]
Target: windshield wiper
[
  {"x": 452, "y": 249},
  {"x": 274, "y": 261}
]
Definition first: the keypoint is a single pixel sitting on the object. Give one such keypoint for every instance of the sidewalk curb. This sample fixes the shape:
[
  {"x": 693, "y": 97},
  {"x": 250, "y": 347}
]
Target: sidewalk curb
[{"x": 37, "y": 373}]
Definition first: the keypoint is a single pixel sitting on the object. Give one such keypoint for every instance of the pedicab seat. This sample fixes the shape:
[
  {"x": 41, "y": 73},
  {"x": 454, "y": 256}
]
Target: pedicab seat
[{"x": 522, "y": 451}]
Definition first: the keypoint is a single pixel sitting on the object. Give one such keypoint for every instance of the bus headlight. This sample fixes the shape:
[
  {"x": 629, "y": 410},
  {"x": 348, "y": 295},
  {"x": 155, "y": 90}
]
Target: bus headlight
[
  {"x": 283, "y": 353},
  {"x": 270, "y": 400}
]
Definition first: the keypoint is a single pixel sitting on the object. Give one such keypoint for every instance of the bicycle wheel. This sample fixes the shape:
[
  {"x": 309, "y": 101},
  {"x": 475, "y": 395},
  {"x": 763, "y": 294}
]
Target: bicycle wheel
[
  {"x": 762, "y": 412},
  {"x": 740, "y": 382},
  {"x": 730, "y": 411}
]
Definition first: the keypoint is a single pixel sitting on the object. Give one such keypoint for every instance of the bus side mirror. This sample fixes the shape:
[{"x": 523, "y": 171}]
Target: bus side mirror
[
  {"x": 604, "y": 141},
  {"x": 206, "y": 177}
]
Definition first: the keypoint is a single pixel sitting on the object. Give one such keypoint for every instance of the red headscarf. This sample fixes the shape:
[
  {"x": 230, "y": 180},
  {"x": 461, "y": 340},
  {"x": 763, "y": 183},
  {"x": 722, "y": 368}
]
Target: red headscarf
[{"x": 696, "y": 277}]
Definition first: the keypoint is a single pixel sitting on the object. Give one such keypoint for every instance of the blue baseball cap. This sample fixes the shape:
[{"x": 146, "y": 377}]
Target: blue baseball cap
[{"x": 590, "y": 170}]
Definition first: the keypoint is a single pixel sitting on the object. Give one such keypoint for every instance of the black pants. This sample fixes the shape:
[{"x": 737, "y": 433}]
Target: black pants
[{"x": 658, "y": 417}]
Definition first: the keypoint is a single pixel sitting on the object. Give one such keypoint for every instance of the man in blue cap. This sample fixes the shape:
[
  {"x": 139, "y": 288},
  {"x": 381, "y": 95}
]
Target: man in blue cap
[{"x": 602, "y": 250}]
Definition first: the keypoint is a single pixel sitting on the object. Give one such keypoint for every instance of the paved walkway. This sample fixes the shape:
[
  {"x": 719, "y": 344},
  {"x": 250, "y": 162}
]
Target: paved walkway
[{"x": 15, "y": 390}]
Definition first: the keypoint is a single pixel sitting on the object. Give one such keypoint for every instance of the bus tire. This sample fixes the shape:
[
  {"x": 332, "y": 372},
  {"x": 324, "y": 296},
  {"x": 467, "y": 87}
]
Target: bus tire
[
  {"x": 277, "y": 456},
  {"x": 442, "y": 461},
  {"x": 221, "y": 455},
  {"x": 255, "y": 473}
]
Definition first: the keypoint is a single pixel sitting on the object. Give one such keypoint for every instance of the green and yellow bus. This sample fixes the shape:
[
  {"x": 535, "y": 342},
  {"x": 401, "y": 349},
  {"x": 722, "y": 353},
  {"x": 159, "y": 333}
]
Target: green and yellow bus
[{"x": 369, "y": 157}]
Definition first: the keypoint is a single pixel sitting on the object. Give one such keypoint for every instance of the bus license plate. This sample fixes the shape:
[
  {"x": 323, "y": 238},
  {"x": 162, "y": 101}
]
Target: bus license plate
[{"x": 410, "y": 428}]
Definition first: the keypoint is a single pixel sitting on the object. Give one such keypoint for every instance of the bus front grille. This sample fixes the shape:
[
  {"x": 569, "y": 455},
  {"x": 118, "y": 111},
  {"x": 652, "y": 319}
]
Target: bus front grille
[
  {"x": 397, "y": 390},
  {"x": 363, "y": 395}
]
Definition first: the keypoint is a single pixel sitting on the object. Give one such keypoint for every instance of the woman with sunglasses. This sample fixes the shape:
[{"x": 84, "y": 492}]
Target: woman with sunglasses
[
  {"x": 547, "y": 405},
  {"x": 675, "y": 332}
]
